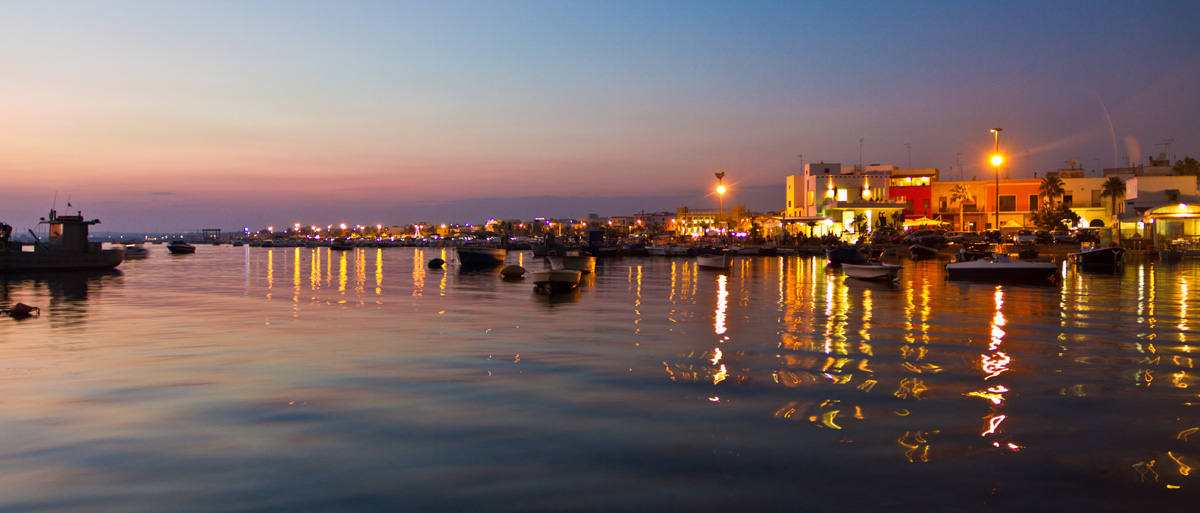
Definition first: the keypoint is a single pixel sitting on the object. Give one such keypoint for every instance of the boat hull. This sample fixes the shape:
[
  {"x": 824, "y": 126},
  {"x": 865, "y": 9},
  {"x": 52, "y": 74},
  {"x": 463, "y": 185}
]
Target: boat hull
[
  {"x": 551, "y": 281},
  {"x": 719, "y": 261},
  {"x": 1099, "y": 258},
  {"x": 481, "y": 256},
  {"x": 919, "y": 252},
  {"x": 884, "y": 272},
  {"x": 838, "y": 255},
  {"x": 1011, "y": 272},
  {"x": 582, "y": 263},
  {"x": 43, "y": 261}
]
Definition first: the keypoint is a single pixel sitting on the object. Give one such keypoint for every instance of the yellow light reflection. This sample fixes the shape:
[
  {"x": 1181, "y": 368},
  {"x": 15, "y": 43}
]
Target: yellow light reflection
[
  {"x": 994, "y": 424},
  {"x": 720, "y": 376},
  {"x": 722, "y": 304}
]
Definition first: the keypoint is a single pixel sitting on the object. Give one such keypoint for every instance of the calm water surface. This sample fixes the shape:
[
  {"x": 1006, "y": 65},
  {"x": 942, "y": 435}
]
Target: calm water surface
[{"x": 248, "y": 379}]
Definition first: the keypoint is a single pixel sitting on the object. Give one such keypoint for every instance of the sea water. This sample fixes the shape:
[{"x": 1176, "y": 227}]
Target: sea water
[{"x": 305, "y": 379}]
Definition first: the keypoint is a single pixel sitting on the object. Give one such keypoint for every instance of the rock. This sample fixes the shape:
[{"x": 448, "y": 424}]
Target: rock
[{"x": 513, "y": 271}]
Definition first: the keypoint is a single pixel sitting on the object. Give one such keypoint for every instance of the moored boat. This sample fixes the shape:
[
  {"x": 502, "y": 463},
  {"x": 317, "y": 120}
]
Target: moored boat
[
  {"x": 179, "y": 247},
  {"x": 136, "y": 251},
  {"x": 838, "y": 255},
  {"x": 1098, "y": 257},
  {"x": 873, "y": 271},
  {"x": 920, "y": 252},
  {"x": 572, "y": 260},
  {"x": 555, "y": 281},
  {"x": 67, "y": 248},
  {"x": 1000, "y": 268},
  {"x": 481, "y": 255},
  {"x": 714, "y": 260}
]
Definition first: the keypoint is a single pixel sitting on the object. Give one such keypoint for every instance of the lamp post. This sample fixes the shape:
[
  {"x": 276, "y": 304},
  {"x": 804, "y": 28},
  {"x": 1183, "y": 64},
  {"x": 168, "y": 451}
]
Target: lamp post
[
  {"x": 720, "y": 193},
  {"x": 996, "y": 161}
]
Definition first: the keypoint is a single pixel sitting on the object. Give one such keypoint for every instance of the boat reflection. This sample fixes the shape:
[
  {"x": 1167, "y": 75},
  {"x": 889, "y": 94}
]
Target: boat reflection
[{"x": 61, "y": 296}]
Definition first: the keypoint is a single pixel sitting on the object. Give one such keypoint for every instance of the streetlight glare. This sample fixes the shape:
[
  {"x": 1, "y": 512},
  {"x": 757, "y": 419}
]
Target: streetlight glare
[
  {"x": 720, "y": 189},
  {"x": 997, "y": 160}
]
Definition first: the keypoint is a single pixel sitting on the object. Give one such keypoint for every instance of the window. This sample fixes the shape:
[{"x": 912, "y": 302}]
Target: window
[
  {"x": 1008, "y": 203},
  {"x": 926, "y": 203},
  {"x": 842, "y": 195},
  {"x": 811, "y": 196},
  {"x": 1067, "y": 200},
  {"x": 1033, "y": 202},
  {"x": 1096, "y": 199},
  {"x": 942, "y": 204}
]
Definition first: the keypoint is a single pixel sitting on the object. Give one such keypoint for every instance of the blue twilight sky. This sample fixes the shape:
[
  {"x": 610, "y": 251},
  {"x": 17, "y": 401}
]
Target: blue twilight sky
[{"x": 179, "y": 115}]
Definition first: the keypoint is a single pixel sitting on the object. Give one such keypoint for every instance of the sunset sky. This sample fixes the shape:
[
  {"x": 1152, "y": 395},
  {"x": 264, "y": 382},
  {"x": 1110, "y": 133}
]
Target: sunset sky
[{"x": 180, "y": 115}]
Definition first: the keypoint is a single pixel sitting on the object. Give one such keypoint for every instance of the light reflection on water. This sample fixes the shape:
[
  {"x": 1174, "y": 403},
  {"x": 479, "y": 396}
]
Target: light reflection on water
[{"x": 304, "y": 378}]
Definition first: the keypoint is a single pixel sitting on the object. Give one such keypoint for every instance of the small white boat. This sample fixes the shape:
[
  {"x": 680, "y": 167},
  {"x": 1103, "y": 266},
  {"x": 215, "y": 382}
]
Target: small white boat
[
  {"x": 744, "y": 251},
  {"x": 885, "y": 272},
  {"x": 722, "y": 260},
  {"x": 552, "y": 281},
  {"x": 573, "y": 260}
]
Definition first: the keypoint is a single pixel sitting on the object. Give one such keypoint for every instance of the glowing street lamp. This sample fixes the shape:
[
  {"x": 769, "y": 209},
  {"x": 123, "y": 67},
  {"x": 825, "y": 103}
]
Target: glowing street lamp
[
  {"x": 720, "y": 192},
  {"x": 996, "y": 161}
]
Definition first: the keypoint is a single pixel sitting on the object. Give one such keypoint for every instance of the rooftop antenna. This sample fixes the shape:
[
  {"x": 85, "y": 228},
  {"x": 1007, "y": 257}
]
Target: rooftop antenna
[{"x": 1167, "y": 146}]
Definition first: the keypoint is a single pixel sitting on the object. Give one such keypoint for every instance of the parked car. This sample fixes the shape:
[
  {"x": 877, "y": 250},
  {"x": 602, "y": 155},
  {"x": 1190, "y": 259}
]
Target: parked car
[
  {"x": 885, "y": 236},
  {"x": 1043, "y": 237},
  {"x": 992, "y": 236},
  {"x": 1064, "y": 237},
  {"x": 1024, "y": 238},
  {"x": 1092, "y": 236},
  {"x": 965, "y": 237}
]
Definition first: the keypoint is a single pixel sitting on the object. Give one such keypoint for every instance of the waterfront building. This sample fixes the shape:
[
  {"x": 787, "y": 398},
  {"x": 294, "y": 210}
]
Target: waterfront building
[{"x": 830, "y": 198}]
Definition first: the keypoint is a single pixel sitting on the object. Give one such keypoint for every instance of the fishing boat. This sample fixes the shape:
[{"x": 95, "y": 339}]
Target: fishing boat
[
  {"x": 572, "y": 260},
  {"x": 714, "y": 260},
  {"x": 555, "y": 281},
  {"x": 66, "y": 248},
  {"x": 179, "y": 247},
  {"x": 1098, "y": 257},
  {"x": 1001, "y": 268},
  {"x": 873, "y": 271},
  {"x": 481, "y": 255}
]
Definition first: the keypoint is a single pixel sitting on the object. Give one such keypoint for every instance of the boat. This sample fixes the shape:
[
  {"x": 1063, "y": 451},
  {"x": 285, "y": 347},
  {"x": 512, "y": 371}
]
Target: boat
[
  {"x": 65, "y": 249},
  {"x": 873, "y": 271},
  {"x": 481, "y": 255},
  {"x": 341, "y": 245},
  {"x": 1098, "y": 257},
  {"x": 714, "y": 260},
  {"x": 668, "y": 250},
  {"x": 920, "y": 252},
  {"x": 573, "y": 260},
  {"x": 179, "y": 247},
  {"x": 555, "y": 281},
  {"x": 1001, "y": 268},
  {"x": 838, "y": 255},
  {"x": 745, "y": 251},
  {"x": 136, "y": 251}
]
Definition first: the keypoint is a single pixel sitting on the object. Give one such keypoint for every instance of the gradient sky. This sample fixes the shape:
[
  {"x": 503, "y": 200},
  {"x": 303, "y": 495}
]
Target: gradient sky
[{"x": 181, "y": 115}]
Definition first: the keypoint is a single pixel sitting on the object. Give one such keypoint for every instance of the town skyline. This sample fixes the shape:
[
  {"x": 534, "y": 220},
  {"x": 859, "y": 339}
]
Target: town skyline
[{"x": 177, "y": 116}]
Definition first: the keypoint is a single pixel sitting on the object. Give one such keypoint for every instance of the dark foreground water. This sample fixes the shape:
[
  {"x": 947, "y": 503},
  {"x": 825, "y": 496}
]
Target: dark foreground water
[{"x": 247, "y": 379}]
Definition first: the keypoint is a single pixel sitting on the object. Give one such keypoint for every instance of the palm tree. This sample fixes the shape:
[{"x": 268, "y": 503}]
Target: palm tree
[
  {"x": 961, "y": 194},
  {"x": 1052, "y": 187},
  {"x": 1113, "y": 188},
  {"x": 1187, "y": 166}
]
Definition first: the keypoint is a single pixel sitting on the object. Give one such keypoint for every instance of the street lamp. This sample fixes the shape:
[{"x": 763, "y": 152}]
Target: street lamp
[
  {"x": 720, "y": 193},
  {"x": 996, "y": 161}
]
